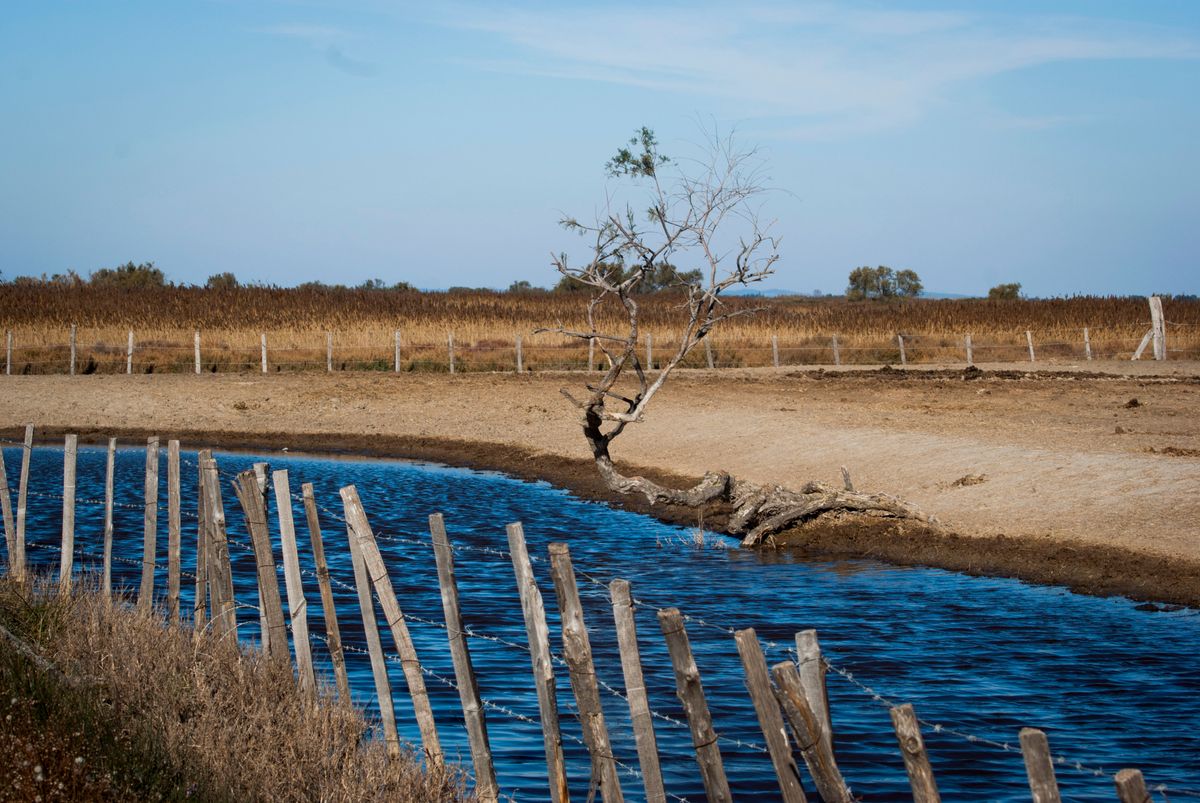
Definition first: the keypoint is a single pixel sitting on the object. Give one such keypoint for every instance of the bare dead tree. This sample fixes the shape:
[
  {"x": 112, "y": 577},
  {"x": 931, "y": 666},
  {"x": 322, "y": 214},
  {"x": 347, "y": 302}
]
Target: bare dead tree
[{"x": 705, "y": 210}]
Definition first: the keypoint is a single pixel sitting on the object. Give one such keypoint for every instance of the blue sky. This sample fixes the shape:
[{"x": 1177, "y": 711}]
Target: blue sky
[{"x": 1049, "y": 143}]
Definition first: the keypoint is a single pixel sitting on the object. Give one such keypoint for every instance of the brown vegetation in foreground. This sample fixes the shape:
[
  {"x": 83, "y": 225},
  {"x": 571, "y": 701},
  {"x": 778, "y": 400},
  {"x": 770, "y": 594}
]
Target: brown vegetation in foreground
[
  {"x": 484, "y": 325},
  {"x": 134, "y": 709}
]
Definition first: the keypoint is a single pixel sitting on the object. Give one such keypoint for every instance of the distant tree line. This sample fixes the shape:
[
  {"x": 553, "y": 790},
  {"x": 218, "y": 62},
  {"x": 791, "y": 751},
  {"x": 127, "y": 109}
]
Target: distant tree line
[{"x": 882, "y": 283}]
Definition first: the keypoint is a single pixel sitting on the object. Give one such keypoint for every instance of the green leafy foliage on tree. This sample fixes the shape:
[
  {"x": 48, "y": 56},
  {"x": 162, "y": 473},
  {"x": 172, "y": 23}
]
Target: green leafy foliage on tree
[
  {"x": 222, "y": 281},
  {"x": 663, "y": 276},
  {"x": 129, "y": 276},
  {"x": 882, "y": 282},
  {"x": 1005, "y": 292}
]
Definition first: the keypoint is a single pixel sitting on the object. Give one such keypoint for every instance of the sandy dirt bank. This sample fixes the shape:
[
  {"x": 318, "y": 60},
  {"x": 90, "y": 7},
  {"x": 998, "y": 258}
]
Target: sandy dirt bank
[{"x": 1089, "y": 478}]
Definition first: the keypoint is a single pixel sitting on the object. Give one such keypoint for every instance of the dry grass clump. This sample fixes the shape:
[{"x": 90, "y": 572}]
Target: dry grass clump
[{"x": 143, "y": 711}]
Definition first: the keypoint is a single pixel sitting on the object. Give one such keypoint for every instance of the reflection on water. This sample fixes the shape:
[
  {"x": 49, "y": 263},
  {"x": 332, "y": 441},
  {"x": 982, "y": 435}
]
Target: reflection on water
[{"x": 1111, "y": 685}]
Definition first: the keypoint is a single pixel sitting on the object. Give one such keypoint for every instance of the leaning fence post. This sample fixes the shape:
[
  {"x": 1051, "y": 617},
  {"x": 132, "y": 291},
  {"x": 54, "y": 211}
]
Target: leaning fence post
[
  {"x": 18, "y": 558},
  {"x": 1087, "y": 343},
  {"x": 970, "y": 350},
  {"x": 539, "y": 653},
  {"x": 70, "y": 448},
  {"x": 273, "y": 630},
  {"x": 129, "y": 354},
  {"x": 297, "y": 604},
  {"x": 450, "y": 349},
  {"x": 329, "y": 352},
  {"x": 1131, "y": 786},
  {"x": 145, "y": 601},
  {"x": 806, "y": 728},
  {"x": 691, "y": 695},
  {"x": 196, "y": 350},
  {"x": 635, "y": 690},
  {"x": 708, "y": 354},
  {"x": 916, "y": 760},
  {"x": 264, "y": 625},
  {"x": 73, "y": 332},
  {"x": 464, "y": 672},
  {"x": 333, "y": 634},
  {"x": 1029, "y": 340},
  {"x": 263, "y": 346},
  {"x": 837, "y": 352},
  {"x": 520, "y": 360},
  {"x": 811, "y": 667},
  {"x": 903, "y": 355},
  {"x": 366, "y": 604},
  {"x": 356, "y": 517},
  {"x": 10, "y": 528},
  {"x": 1038, "y": 766},
  {"x": 758, "y": 683},
  {"x": 396, "y": 347},
  {"x": 109, "y": 471},
  {"x": 173, "y": 528},
  {"x": 577, "y": 649}
]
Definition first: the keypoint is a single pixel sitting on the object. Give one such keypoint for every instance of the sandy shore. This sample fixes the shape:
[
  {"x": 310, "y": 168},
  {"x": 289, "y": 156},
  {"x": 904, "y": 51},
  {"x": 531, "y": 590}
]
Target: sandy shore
[{"x": 1088, "y": 478}]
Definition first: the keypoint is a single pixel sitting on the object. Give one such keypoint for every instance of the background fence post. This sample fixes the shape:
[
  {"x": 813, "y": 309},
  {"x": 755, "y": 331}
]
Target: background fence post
[
  {"x": 297, "y": 604},
  {"x": 520, "y": 360},
  {"x": 649, "y": 351},
  {"x": 691, "y": 695},
  {"x": 145, "y": 601},
  {"x": 109, "y": 471},
  {"x": 775, "y": 350},
  {"x": 970, "y": 350},
  {"x": 591, "y": 354},
  {"x": 263, "y": 342},
  {"x": 916, "y": 760},
  {"x": 1087, "y": 343},
  {"x": 577, "y": 649},
  {"x": 17, "y": 565},
  {"x": 464, "y": 672},
  {"x": 196, "y": 349},
  {"x": 333, "y": 633},
  {"x": 758, "y": 683},
  {"x": 329, "y": 352},
  {"x": 70, "y": 448},
  {"x": 396, "y": 347},
  {"x": 903, "y": 355},
  {"x": 1158, "y": 327},
  {"x": 73, "y": 331},
  {"x": 129, "y": 354},
  {"x": 173, "y": 530},
  {"x": 538, "y": 633},
  {"x": 1038, "y": 766},
  {"x": 450, "y": 349},
  {"x": 837, "y": 352},
  {"x": 1029, "y": 340},
  {"x": 708, "y": 354},
  {"x": 8, "y": 340},
  {"x": 635, "y": 690}
]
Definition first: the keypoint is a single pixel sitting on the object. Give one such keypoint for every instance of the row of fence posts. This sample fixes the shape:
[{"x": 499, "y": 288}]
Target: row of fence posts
[{"x": 790, "y": 692}]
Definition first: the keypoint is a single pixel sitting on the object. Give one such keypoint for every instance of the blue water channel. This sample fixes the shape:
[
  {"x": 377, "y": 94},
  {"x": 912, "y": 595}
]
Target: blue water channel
[{"x": 979, "y": 658}]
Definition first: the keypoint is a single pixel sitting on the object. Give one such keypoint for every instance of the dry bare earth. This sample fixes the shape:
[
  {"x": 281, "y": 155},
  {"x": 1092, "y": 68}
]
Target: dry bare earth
[{"x": 1064, "y": 460}]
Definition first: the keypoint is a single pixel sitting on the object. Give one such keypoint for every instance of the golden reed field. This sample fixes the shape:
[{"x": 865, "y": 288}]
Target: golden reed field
[{"x": 362, "y": 324}]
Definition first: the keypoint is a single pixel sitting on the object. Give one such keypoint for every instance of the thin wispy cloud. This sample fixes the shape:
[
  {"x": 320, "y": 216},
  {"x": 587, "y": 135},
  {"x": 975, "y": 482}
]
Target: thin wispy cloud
[
  {"x": 330, "y": 41},
  {"x": 819, "y": 69}
]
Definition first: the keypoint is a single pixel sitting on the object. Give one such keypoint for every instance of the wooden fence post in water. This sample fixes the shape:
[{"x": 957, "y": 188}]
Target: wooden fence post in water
[
  {"x": 464, "y": 673},
  {"x": 970, "y": 350},
  {"x": 450, "y": 349},
  {"x": 539, "y": 653},
  {"x": 635, "y": 690},
  {"x": 145, "y": 601},
  {"x": 811, "y": 667},
  {"x": 196, "y": 349},
  {"x": 916, "y": 760},
  {"x": 6, "y": 509},
  {"x": 366, "y": 604},
  {"x": 356, "y": 517},
  {"x": 577, "y": 650},
  {"x": 333, "y": 633},
  {"x": 261, "y": 470},
  {"x": 200, "y": 602},
  {"x": 220, "y": 574},
  {"x": 758, "y": 683},
  {"x": 109, "y": 489},
  {"x": 129, "y": 354},
  {"x": 173, "y": 531},
  {"x": 775, "y": 351},
  {"x": 297, "y": 604},
  {"x": 263, "y": 344},
  {"x": 708, "y": 355},
  {"x": 17, "y": 559},
  {"x": 1038, "y": 766},
  {"x": 691, "y": 695},
  {"x": 73, "y": 332},
  {"x": 520, "y": 357},
  {"x": 70, "y": 449},
  {"x": 837, "y": 352},
  {"x": 806, "y": 729},
  {"x": 1131, "y": 786},
  {"x": 903, "y": 355},
  {"x": 1087, "y": 343},
  {"x": 1029, "y": 341},
  {"x": 273, "y": 629},
  {"x": 396, "y": 345}
]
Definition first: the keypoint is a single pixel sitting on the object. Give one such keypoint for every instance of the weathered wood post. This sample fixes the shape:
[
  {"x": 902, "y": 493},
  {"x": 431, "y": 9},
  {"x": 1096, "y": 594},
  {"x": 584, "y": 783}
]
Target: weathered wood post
[
  {"x": 220, "y": 574},
  {"x": 297, "y": 604},
  {"x": 649, "y": 351},
  {"x": 1158, "y": 327},
  {"x": 811, "y": 667},
  {"x": 109, "y": 472},
  {"x": 396, "y": 348},
  {"x": 691, "y": 695},
  {"x": 970, "y": 350},
  {"x": 173, "y": 530},
  {"x": 1131, "y": 786},
  {"x": 538, "y": 633},
  {"x": 520, "y": 359},
  {"x": 200, "y": 601},
  {"x": 464, "y": 673},
  {"x": 261, "y": 470},
  {"x": 1038, "y": 766},
  {"x": 8, "y": 340},
  {"x": 196, "y": 350},
  {"x": 775, "y": 350},
  {"x": 73, "y": 331},
  {"x": 145, "y": 601},
  {"x": 70, "y": 449},
  {"x": 129, "y": 354},
  {"x": 10, "y": 527},
  {"x": 635, "y": 690},
  {"x": 263, "y": 346},
  {"x": 366, "y": 604},
  {"x": 1029, "y": 340},
  {"x": 591, "y": 354},
  {"x": 273, "y": 629},
  {"x": 17, "y": 560},
  {"x": 837, "y": 352},
  {"x": 1087, "y": 343},
  {"x": 333, "y": 633},
  {"x": 356, "y": 517},
  {"x": 903, "y": 355},
  {"x": 708, "y": 353},
  {"x": 450, "y": 349},
  {"x": 329, "y": 352},
  {"x": 577, "y": 649},
  {"x": 806, "y": 729},
  {"x": 758, "y": 683},
  {"x": 916, "y": 760}
]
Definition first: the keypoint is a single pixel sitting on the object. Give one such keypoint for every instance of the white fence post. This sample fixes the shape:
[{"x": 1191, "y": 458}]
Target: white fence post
[
  {"x": 1087, "y": 343},
  {"x": 837, "y": 352},
  {"x": 1029, "y": 340},
  {"x": 775, "y": 350},
  {"x": 970, "y": 351},
  {"x": 649, "y": 351},
  {"x": 8, "y": 354},
  {"x": 450, "y": 348},
  {"x": 396, "y": 344},
  {"x": 903, "y": 355},
  {"x": 329, "y": 352},
  {"x": 196, "y": 349},
  {"x": 72, "y": 349},
  {"x": 129, "y": 354},
  {"x": 520, "y": 360},
  {"x": 264, "y": 353},
  {"x": 1158, "y": 327}
]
